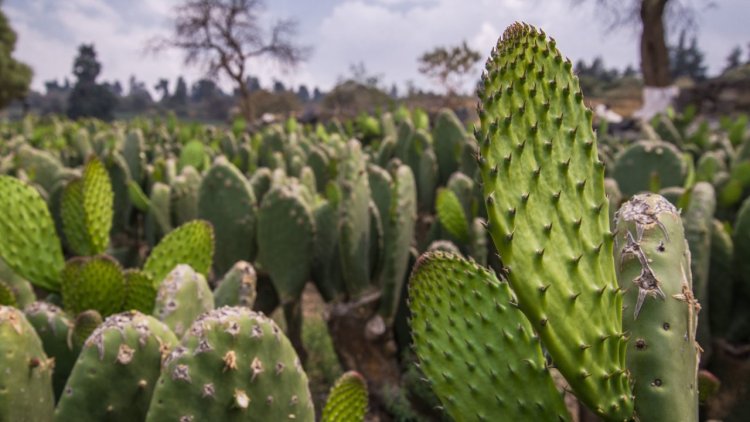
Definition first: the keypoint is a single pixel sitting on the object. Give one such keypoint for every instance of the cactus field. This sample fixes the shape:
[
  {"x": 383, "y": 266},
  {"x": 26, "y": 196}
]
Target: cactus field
[{"x": 531, "y": 264}]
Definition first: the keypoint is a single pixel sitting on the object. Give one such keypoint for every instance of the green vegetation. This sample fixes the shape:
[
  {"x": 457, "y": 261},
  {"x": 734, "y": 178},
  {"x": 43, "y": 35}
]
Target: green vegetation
[{"x": 147, "y": 254}]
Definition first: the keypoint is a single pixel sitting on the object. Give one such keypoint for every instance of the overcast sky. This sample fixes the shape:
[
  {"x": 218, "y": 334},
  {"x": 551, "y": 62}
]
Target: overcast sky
[{"x": 386, "y": 35}]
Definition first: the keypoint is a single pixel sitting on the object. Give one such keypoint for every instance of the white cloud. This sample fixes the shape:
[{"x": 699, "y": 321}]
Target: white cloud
[{"x": 386, "y": 35}]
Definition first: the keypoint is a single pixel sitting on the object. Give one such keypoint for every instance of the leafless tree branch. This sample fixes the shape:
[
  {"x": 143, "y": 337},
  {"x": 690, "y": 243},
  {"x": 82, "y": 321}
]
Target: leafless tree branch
[{"x": 222, "y": 35}]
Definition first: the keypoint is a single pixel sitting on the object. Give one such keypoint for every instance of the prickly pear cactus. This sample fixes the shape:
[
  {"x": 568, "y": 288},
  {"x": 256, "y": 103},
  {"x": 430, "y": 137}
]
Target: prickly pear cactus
[
  {"x": 93, "y": 283},
  {"x": 7, "y": 297},
  {"x": 53, "y": 327},
  {"x": 42, "y": 167},
  {"x": 548, "y": 214},
  {"x": 26, "y": 381},
  {"x": 232, "y": 364},
  {"x": 116, "y": 372},
  {"x": 698, "y": 222},
  {"x": 185, "y": 191},
  {"x": 721, "y": 286},
  {"x": 29, "y": 246},
  {"x": 182, "y": 296},
  {"x": 84, "y": 325},
  {"x": 159, "y": 218},
  {"x": 237, "y": 288},
  {"x": 87, "y": 210},
  {"x": 227, "y": 201},
  {"x": 448, "y": 135},
  {"x": 22, "y": 290},
  {"x": 285, "y": 239},
  {"x": 451, "y": 215},
  {"x": 475, "y": 346},
  {"x": 646, "y": 165},
  {"x": 660, "y": 312},
  {"x": 347, "y": 400},
  {"x": 140, "y": 291},
  {"x": 354, "y": 217},
  {"x": 398, "y": 227},
  {"x": 192, "y": 243}
]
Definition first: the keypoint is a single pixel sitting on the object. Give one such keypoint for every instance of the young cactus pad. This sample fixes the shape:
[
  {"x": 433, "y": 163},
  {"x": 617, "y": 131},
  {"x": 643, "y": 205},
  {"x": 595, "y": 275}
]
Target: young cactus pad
[
  {"x": 347, "y": 401},
  {"x": 660, "y": 313},
  {"x": 116, "y": 371},
  {"x": 233, "y": 364},
  {"x": 87, "y": 210},
  {"x": 548, "y": 214},
  {"x": 479, "y": 352},
  {"x": 192, "y": 244}
]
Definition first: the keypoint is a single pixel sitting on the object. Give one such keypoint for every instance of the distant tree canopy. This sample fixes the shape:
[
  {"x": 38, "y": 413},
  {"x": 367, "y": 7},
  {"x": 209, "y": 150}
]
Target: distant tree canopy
[
  {"x": 89, "y": 99},
  {"x": 448, "y": 65},
  {"x": 687, "y": 60},
  {"x": 734, "y": 59},
  {"x": 222, "y": 35},
  {"x": 15, "y": 77}
]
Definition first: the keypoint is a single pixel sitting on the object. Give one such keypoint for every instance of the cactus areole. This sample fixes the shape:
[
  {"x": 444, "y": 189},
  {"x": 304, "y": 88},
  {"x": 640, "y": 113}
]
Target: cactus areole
[{"x": 548, "y": 214}]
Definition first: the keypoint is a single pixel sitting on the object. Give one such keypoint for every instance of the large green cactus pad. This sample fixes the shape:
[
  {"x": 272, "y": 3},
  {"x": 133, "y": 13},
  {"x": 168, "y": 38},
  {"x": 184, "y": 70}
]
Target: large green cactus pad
[
  {"x": 232, "y": 365},
  {"x": 479, "y": 352},
  {"x": 548, "y": 214},
  {"x": 192, "y": 243},
  {"x": 116, "y": 371},
  {"x": 29, "y": 244}
]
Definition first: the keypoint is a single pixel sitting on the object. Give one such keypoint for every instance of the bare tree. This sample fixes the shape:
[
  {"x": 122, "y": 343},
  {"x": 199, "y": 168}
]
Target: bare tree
[
  {"x": 223, "y": 35},
  {"x": 653, "y": 17},
  {"x": 447, "y": 65}
]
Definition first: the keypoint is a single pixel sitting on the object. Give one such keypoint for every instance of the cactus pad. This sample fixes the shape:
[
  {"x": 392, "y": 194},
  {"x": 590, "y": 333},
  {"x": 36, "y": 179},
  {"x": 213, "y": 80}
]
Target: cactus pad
[
  {"x": 116, "y": 371},
  {"x": 227, "y": 201},
  {"x": 53, "y": 327},
  {"x": 660, "y": 312},
  {"x": 192, "y": 244},
  {"x": 140, "y": 292},
  {"x": 29, "y": 244},
  {"x": 548, "y": 214},
  {"x": 93, "y": 283},
  {"x": 26, "y": 381},
  {"x": 285, "y": 239},
  {"x": 475, "y": 346},
  {"x": 232, "y": 364},
  {"x": 237, "y": 288},
  {"x": 347, "y": 401},
  {"x": 182, "y": 296}
]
